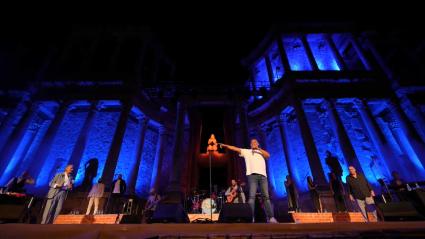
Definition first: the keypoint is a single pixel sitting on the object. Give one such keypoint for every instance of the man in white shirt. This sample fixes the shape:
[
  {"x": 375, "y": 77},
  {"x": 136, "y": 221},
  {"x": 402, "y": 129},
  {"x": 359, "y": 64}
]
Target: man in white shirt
[
  {"x": 118, "y": 189},
  {"x": 255, "y": 161}
]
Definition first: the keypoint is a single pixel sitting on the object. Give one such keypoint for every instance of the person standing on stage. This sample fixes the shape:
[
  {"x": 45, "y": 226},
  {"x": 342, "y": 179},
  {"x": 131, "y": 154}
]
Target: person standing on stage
[
  {"x": 235, "y": 193},
  {"x": 338, "y": 192},
  {"x": 255, "y": 162},
  {"x": 360, "y": 191},
  {"x": 314, "y": 194},
  {"x": 95, "y": 194},
  {"x": 59, "y": 187},
  {"x": 292, "y": 194},
  {"x": 118, "y": 189}
]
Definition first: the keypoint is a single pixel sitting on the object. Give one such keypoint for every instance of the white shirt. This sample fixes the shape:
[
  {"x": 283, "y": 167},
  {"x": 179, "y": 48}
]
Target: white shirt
[
  {"x": 254, "y": 161},
  {"x": 66, "y": 181},
  {"x": 117, "y": 187}
]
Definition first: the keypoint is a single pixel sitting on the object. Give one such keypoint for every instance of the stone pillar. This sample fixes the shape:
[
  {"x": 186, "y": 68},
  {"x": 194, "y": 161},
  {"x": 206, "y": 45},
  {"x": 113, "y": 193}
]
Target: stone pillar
[
  {"x": 412, "y": 143},
  {"x": 17, "y": 135},
  {"x": 159, "y": 155},
  {"x": 311, "y": 150},
  {"x": 373, "y": 130},
  {"x": 285, "y": 142},
  {"x": 174, "y": 184},
  {"x": 310, "y": 55},
  {"x": 45, "y": 145},
  {"x": 338, "y": 58},
  {"x": 283, "y": 55},
  {"x": 360, "y": 53},
  {"x": 80, "y": 144},
  {"x": 12, "y": 120},
  {"x": 114, "y": 150},
  {"x": 416, "y": 116},
  {"x": 343, "y": 139},
  {"x": 143, "y": 124}
]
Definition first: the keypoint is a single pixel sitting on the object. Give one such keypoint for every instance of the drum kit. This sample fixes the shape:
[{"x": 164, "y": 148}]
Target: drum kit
[{"x": 199, "y": 202}]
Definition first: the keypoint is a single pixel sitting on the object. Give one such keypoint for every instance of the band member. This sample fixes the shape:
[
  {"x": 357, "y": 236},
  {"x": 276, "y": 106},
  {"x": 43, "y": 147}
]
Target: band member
[
  {"x": 360, "y": 191},
  {"x": 150, "y": 206},
  {"x": 235, "y": 193},
  {"x": 333, "y": 164},
  {"x": 59, "y": 187},
  {"x": 399, "y": 186},
  {"x": 17, "y": 184},
  {"x": 292, "y": 194},
  {"x": 314, "y": 194},
  {"x": 118, "y": 189},
  {"x": 95, "y": 195},
  {"x": 255, "y": 162},
  {"x": 338, "y": 192}
]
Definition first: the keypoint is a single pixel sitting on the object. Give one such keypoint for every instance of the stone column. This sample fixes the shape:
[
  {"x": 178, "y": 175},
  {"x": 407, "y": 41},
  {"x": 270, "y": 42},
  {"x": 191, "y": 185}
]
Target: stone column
[
  {"x": 416, "y": 116},
  {"x": 360, "y": 53},
  {"x": 309, "y": 53},
  {"x": 373, "y": 130},
  {"x": 80, "y": 144},
  {"x": 310, "y": 146},
  {"x": 338, "y": 58},
  {"x": 343, "y": 139},
  {"x": 143, "y": 123},
  {"x": 17, "y": 135},
  {"x": 159, "y": 155},
  {"x": 174, "y": 183},
  {"x": 114, "y": 150},
  {"x": 12, "y": 120},
  {"x": 412, "y": 143},
  {"x": 45, "y": 145}
]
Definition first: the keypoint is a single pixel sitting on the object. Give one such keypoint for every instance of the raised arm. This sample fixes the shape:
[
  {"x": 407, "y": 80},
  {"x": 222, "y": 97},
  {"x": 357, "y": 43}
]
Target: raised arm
[
  {"x": 265, "y": 154},
  {"x": 230, "y": 147}
]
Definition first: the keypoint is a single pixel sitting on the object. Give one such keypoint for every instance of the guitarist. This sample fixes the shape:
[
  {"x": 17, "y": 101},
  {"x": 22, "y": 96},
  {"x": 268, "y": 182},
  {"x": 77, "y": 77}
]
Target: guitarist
[{"x": 234, "y": 193}]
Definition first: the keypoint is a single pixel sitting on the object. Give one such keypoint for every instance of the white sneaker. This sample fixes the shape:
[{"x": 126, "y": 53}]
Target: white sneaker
[{"x": 273, "y": 220}]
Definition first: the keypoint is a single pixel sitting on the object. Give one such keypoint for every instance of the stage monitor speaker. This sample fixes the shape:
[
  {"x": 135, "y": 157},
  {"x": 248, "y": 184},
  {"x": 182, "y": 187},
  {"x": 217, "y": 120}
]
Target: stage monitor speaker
[
  {"x": 131, "y": 219},
  {"x": 399, "y": 211},
  {"x": 169, "y": 212},
  {"x": 235, "y": 212}
]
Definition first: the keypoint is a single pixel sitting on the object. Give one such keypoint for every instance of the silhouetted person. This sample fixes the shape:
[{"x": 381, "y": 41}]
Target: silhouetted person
[
  {"x": 333, "y": 164},
  {"x": 314, "y": 194},
  {"x": 17, "y": 184},
  {"x": 90, "y": 172},
  {"x": 118, "y": 189},
  {"x": 360, "y": 191},
  {"x": 399, "y": 186},
  {"x": 292, "y": 194},
  {"x": 338, "y": 192}
]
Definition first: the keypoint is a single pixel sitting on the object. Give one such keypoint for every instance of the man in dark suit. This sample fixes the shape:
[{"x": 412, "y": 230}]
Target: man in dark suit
[
  {"x": 118, "y": 189},
  {"x": 59, "y": 187}
]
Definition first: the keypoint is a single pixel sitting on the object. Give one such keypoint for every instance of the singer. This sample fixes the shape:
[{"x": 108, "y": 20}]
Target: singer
[
  {"x": 255, "y": 161},
  {"x": 59, "y": 187}
]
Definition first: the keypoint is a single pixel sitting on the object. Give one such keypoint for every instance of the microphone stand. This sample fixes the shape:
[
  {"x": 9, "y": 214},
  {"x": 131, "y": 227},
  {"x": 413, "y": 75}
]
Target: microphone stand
[{"x": 210, "y": 152}]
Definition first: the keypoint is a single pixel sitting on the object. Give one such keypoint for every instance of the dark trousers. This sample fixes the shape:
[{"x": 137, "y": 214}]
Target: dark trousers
[
  {"x": 115, "y": 203},
  {"x": 255, "y": 180},
  {"x": 53, "y": 207},
  {"x": 315, "y": 198},
  {"x": 340, "y": 202}
]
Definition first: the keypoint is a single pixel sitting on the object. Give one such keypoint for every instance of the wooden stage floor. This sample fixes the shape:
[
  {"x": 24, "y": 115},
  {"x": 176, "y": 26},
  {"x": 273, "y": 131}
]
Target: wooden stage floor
[{"x": 217, "y": 230}]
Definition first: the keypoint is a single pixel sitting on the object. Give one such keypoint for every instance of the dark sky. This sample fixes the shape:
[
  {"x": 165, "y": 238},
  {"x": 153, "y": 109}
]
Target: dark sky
[{"x": 211, "y": 51}]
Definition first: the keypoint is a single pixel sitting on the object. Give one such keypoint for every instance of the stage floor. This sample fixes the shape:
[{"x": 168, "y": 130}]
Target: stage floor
[{"x": 237, "y": 230}]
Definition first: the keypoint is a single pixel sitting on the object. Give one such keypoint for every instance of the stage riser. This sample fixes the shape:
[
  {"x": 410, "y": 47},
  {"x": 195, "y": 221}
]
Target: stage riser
[
  {"x": 329, "y": 217},
  {"x": 90, "y": 219}
]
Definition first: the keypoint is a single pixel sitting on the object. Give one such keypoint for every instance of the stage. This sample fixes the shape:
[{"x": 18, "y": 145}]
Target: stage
[{"x": 217, "y": 230}]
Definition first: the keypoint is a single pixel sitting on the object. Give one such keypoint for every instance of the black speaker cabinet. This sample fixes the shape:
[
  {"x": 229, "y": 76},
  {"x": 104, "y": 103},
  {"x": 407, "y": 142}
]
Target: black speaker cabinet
[
  {"x": 235, "y": 212},
  {"x": 399, "y": 211},
  {"x": 169, "y": 213}
]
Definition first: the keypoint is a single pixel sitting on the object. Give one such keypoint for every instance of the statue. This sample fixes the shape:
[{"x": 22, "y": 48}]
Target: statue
[{"x": 212, "y": 143}]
